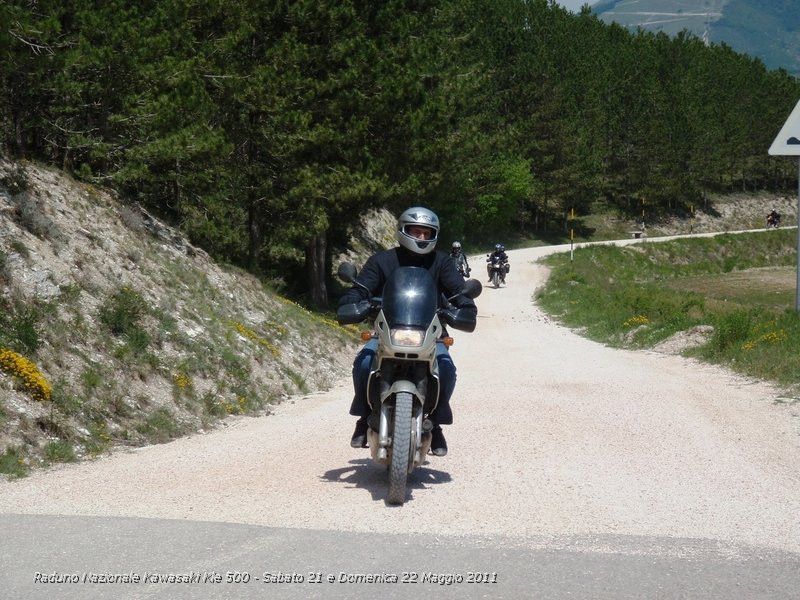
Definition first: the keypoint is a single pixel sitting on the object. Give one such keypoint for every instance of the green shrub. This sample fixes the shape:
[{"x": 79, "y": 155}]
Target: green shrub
[
  {"x": 91, "y": 378},
  {"x": 160, "y": 426},
  {"x": 20, "y": 248},
  {"x": 99, "y": 439},
  {"x": 122, "y": 312},
  {"x": 69, "y": 293},
  {"x": 12, "y": 463},
  {"x": 137, "y": 340},
  {"x": 732, "y": 330},
  {"x": 16, "y": 180},
  {"x": 298, "y": 380},
  {"x": 213, "y": 406},
  {"x": 19, "y": 327},
  {"x": 62, "y": 399},
  {"x": 59, "y": 451}
]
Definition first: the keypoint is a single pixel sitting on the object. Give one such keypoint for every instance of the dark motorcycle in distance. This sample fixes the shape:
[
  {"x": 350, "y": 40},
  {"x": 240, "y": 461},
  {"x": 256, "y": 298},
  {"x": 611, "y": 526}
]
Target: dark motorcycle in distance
[
  {"x": 498, "y": 269},
  {"x": 773, "y": 220},
  {"x": 403, "y": 385}
]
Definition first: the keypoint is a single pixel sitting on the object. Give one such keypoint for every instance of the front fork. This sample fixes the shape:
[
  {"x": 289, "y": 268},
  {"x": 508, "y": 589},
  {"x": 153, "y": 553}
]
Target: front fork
[{"x": 421, "y": 433}]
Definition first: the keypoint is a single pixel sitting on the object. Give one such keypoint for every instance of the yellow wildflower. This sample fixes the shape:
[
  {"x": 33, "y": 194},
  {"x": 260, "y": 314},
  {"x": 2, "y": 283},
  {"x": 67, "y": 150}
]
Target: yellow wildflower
[
  {"x": 26, "y": 372},
  {"x": 251, "y": 335},
  {"x": 181, "y": 380},
  {"x": 637, "y": 320}
]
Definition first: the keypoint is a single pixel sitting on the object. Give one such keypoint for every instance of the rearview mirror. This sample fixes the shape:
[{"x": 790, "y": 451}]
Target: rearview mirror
[
  {"x": 472, "y": 288},
  {"x": 347, "y": 272}
]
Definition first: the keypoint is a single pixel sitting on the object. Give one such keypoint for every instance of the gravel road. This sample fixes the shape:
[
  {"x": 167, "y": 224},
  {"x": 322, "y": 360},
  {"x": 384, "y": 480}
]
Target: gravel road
[{"x": 555, "y": 438}]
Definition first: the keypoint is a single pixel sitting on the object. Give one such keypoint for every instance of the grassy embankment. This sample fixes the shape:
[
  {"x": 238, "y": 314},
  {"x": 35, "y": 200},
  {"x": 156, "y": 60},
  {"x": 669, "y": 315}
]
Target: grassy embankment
[
  {"x": 85, "y": 373},
  {"x": 636, "y": 296}
]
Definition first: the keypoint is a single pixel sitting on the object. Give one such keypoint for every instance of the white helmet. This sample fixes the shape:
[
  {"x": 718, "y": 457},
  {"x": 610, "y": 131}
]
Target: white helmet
[
  {"x": 421, "y": 217},
  {"x": 456, "y": 247}
]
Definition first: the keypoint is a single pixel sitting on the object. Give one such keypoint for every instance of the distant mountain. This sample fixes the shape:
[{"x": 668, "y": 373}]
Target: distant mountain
[{"x": 767, "y": 29}]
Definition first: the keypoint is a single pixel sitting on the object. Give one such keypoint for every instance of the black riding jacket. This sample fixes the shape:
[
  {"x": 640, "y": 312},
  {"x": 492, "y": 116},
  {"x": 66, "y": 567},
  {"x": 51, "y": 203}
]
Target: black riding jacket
[
  {"x": 460, "y": 260},
  {"x": 441, "y": 267}
]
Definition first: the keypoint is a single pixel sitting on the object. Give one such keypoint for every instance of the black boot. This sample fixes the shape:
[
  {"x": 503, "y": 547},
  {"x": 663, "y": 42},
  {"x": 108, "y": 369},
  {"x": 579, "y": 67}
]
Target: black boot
[
  {"x": 359, "y": 439},
  {"x": 438, "y": 443}
]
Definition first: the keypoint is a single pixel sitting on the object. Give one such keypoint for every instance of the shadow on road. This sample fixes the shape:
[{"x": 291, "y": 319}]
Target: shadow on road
[{"x": 365, "y": 474}]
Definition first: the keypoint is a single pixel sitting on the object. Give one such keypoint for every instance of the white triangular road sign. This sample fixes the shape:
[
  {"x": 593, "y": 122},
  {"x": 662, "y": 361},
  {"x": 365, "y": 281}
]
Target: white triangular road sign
[{"x": 788, "y": 141}]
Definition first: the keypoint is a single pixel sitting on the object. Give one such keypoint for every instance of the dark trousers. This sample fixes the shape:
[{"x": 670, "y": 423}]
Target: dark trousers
[{"x": 443, "y": 415}]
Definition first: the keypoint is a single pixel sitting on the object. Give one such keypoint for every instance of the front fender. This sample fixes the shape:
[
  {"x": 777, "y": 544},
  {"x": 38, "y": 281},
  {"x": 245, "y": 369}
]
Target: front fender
[{"x": 402, "y": 385}]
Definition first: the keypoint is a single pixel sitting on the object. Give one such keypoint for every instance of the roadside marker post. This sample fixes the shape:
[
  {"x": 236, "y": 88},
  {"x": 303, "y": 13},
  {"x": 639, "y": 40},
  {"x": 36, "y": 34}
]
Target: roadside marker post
[
  {"x": 571, "y": 234},
  {"x": 787, "y": 143}
]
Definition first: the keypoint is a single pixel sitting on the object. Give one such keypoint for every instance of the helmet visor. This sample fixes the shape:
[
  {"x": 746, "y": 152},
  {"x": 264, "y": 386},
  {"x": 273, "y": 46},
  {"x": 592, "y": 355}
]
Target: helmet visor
[{"x": 422, "y": 233}]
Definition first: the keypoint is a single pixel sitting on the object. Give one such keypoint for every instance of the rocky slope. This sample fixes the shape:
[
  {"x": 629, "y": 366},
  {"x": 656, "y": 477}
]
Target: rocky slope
[
  {"x": 115, "y": 331},
  {"x": 732, "y": 212}
]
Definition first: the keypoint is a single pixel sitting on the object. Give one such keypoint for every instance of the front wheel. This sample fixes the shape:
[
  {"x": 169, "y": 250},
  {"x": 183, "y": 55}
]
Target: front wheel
[
  {"x": 496, "y": 279},
  {"x": 401, "y": 448}
]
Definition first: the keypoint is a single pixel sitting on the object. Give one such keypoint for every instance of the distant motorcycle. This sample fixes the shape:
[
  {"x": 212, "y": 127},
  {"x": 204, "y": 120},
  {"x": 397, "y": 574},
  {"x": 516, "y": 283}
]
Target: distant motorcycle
[
  {"x": 497, "y": 270},
  {"x": 773, "y": 220}
]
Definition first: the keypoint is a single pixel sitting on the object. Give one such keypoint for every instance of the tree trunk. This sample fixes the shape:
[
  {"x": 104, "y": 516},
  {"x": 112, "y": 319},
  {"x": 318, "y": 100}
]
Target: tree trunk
[
  {"x": 254, "y": 235},
  {"x": 315, "y": 267},
  {"x": 18, "y": 136}
]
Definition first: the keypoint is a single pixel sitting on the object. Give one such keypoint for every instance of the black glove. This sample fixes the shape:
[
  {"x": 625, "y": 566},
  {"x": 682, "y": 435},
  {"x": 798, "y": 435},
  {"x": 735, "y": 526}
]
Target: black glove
[
  {"x": 460, "y": 318},
  {"x": 356, "y": 312}
]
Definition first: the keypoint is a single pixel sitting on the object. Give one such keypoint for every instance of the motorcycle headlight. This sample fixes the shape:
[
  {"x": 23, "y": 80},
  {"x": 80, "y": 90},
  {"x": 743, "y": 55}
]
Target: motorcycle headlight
[{"x": 407, "y": 337}]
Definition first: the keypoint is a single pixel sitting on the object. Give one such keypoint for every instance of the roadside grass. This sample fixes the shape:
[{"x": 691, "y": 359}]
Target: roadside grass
[
  {"x": 639, "y": 295},
  {"x": 298, "y": 380},
  {"x": 160, "y": 427},
  {"x": 772, "y": 288},
  {"x": 12, "y": 463},
  {"x": 59, "y": 451}
]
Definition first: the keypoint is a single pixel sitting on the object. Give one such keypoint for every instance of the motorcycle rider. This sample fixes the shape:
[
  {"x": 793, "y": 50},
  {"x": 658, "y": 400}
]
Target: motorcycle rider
[
  {"x": 499, "y": 253},
  {"x": 460, "y": 259},
  {"x": 417, "y": 232},
  {"x": 773, "y": 218}
]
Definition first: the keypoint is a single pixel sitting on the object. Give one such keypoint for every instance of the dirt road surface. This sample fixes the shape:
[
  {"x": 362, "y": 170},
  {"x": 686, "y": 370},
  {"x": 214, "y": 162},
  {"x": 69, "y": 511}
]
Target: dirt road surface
[{"x": 557, "y": 441}]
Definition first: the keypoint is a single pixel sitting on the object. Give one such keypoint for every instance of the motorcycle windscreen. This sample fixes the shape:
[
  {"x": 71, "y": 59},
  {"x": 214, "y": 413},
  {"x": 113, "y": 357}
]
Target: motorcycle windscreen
[{"x": 409, "y": 298}]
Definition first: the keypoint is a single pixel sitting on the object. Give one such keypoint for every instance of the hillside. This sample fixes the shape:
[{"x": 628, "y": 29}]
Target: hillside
[
  {"x": 767, "y": 29},
  {"x": 115, "y": 331}
]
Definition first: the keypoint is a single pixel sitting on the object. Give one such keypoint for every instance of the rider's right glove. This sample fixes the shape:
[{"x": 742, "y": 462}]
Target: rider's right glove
[{"x": 356, "y": 312}]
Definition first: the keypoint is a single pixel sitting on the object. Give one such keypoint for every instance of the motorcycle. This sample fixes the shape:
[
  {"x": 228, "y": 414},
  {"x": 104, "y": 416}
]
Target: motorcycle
[
  {"x": 773, "y": 221},
  {"x": 463, "y": 270},
  {"x": 497, "y": 270},
  {"x": 403, "y": 386}
]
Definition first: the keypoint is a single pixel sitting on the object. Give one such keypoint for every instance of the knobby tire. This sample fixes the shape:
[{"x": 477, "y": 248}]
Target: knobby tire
[{"x": 401, "y": 448}]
